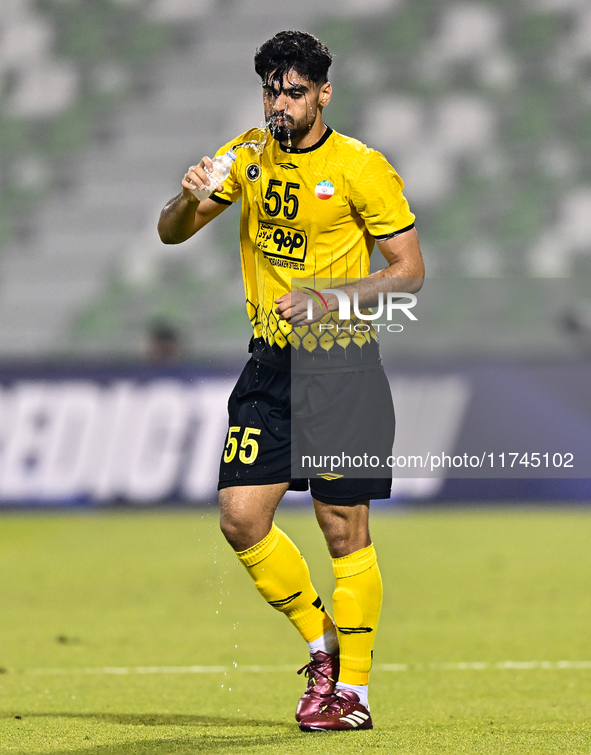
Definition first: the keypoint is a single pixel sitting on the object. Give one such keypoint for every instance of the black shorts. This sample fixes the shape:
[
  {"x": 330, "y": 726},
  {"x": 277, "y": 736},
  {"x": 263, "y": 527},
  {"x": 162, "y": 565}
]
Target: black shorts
[{"x": 262, "y": 447}]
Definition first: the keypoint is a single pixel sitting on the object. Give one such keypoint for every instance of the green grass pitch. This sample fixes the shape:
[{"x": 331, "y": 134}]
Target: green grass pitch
[{"x": 104, "y": 618}]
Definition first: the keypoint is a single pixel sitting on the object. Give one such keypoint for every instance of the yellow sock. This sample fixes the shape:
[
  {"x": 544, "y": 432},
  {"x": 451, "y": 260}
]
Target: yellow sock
[
  {"x": 356, "y": 602},
  {"x": 281, "y": 576}
]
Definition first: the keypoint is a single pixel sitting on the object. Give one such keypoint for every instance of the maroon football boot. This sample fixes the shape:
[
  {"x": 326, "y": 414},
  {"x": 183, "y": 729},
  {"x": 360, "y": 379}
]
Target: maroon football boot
[
  {"x": 342, "y": 712},
  {"x": 322, "y": 673}
]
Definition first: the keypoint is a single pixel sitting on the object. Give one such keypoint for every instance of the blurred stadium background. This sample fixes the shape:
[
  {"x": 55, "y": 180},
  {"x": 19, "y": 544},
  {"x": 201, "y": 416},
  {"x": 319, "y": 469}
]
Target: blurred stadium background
[{"x": 483, "y": 107}]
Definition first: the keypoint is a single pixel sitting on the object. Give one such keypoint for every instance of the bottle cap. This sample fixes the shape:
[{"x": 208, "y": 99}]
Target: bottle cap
[{"x": 231, "y": 154}]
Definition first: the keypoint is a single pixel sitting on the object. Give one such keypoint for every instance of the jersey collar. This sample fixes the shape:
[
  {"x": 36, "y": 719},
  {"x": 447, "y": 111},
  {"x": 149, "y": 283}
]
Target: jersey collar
[{"x": 319, "y": 143}]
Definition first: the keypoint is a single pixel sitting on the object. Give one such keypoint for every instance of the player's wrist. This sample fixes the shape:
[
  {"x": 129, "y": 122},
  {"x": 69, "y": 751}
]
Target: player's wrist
[
  {"x": 332, "y": 302},
  {"x": 189, "y": 197}
]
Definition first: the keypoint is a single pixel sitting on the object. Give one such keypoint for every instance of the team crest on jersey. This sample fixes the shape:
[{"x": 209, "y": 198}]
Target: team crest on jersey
[
  {"x": 253, "y": 172},
  {"x": 324, "y": 189}
]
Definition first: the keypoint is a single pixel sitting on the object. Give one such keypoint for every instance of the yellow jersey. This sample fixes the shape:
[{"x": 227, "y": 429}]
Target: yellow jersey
[{"x": 313, "y": 215}]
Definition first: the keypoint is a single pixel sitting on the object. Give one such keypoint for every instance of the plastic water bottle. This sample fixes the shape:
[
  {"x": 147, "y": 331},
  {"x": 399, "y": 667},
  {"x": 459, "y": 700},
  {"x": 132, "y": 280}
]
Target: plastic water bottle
[{"x": 221, "y": 170}]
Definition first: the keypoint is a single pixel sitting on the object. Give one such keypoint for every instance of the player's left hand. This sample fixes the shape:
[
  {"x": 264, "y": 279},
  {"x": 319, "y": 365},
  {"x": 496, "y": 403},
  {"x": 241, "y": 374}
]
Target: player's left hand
[{"x": 293, "y": 307}]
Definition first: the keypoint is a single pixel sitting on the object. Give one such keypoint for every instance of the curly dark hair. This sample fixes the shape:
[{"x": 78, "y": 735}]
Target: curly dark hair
[{"x": 295, "y": 50}]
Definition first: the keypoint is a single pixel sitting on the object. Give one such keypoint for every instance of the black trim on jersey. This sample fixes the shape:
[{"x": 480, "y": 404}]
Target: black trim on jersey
[
  {"x": 319, "y": 361},
  {"x": 219, "y": 200},
  {"x": 396, "y": 233},
  {"x": 296, "y": 151}
]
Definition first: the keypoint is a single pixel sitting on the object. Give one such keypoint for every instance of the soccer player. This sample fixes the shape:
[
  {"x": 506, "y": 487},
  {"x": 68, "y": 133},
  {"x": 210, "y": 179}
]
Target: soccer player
[{"x": 314, "y": 203}]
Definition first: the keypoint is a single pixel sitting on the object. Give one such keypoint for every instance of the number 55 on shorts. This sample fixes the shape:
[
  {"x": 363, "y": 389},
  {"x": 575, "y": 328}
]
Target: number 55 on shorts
[{"x": 249, "y": 447}]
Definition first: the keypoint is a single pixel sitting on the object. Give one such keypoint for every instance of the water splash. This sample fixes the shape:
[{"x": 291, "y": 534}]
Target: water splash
[{"x": 257, "y": 145}]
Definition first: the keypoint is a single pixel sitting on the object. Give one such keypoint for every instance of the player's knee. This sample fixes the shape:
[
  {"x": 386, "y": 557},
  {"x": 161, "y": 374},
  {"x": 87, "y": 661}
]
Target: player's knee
[
  {"x": 239, "y": 529},
  {"x": 231, "y": 526},
  {"x": 345, "y": 528}
]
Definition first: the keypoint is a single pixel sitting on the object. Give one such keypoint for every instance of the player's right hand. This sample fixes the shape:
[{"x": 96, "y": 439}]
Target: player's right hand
[{"x": 197, "y": 177}]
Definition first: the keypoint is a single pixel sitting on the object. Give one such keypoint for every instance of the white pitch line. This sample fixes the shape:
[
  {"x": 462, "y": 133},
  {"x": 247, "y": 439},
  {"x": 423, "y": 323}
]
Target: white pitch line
[
  {"x": 124, "y": 670},
  {"x": 483, "y": 666},
  {"x": 391, "y": 667}
]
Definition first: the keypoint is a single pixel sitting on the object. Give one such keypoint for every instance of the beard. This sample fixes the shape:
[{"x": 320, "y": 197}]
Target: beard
[
  {"x": 284, "y": 133},
  {"x": 288, "y": 131}
]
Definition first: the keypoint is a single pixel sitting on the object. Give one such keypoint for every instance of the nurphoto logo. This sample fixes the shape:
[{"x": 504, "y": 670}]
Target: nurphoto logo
[{"x": 395, "y": 301}]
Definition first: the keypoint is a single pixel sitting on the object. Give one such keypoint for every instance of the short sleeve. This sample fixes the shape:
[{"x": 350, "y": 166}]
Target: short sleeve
[
  {"x": 232, "y": 189},
  {"x": 377, "y": 196}
]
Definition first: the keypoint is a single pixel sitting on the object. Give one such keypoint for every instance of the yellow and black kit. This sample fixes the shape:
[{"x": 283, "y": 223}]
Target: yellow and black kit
[{"x": 310, "y": 214}]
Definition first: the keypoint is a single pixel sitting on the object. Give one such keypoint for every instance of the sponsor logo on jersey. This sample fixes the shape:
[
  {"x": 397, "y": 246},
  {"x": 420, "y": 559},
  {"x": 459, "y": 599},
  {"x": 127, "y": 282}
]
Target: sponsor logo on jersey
[
  {"x": 282, "y": 241},
  {"x": 253, "y": 172},
  {"x": 330, "y": 476},
  {"x": 287, "y": 166},
  {"x": 324, "y": 189}
]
